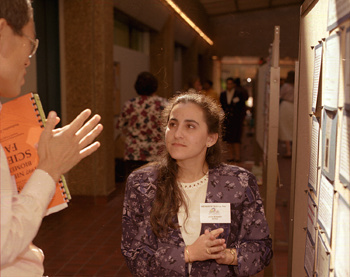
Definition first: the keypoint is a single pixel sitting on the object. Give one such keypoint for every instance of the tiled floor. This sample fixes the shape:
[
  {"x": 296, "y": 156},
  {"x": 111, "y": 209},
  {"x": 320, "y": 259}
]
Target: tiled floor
[{"x": 84, "y": 240}]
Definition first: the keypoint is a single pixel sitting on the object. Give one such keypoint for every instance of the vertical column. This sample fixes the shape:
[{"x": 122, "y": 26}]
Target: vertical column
[
  {"x": 190, "y": 62},
  {"x": 205, "y": 65},
  {"x": 217, "y": 75},
  {"x": 162, "y": 58},
  {"x": 87, "y": 82}
]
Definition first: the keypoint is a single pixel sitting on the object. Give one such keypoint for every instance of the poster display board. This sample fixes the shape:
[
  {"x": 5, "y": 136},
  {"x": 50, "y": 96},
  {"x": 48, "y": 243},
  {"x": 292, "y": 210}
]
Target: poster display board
[
  {"x": 338, "y": 12},
  {"x": 331, "y": 72},
  {"x": 329, "y": 140},
  {"x": 342, "y": 245},
  {"x": 325, "y": 206},
  {"x": 312, "y": 218},
  {"x": 344, "y": 157},
  {"x": 309, "y": 256},
  {"x": 323, "y": 259},
  {"x": 313, "y": 170},
  {"x": 317, "y": 72},
  {"x": 324, "y": 122},
  {"x": 347, "y": 70}
]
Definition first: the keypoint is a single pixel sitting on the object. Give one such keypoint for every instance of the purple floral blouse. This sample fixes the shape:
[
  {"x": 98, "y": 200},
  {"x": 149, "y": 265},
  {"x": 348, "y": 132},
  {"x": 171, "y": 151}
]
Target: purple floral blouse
[
  {"x": 248, "y": 232},
  {"x": 140, "y": 121}
]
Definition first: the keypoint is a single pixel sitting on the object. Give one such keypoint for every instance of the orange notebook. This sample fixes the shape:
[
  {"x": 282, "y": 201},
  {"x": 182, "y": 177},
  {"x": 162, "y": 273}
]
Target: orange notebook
[{"x": 21, "y": 123}]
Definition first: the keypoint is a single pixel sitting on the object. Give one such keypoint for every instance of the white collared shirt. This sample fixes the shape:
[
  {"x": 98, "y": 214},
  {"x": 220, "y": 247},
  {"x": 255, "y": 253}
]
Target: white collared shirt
[{"x": 20, "y": 217}]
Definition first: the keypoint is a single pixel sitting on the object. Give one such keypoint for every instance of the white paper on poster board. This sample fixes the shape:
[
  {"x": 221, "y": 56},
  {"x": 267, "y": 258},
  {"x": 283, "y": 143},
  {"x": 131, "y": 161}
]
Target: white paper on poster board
[
  {"x": 347, "y": 70},
  {"x": 325, "y": 206},
  {"x": 316, "y": 77},
  {"x": 315, "y": 134},
  {"x": 344, "y": 157},
  {"x": 329, "y": 138},
  {"x": 338, "y": 12},
  {"x": 311, "y": 217},
  {"x": 342, "y": 244},
  {"x": 323, "y": 258},
  {"x": 309, "y": 259},
  {"x": 330, "y": 90}
]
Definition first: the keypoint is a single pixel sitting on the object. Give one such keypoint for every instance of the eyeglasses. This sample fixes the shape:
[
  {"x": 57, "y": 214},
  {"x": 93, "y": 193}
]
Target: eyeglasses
[{"x": 34, "y": 45}]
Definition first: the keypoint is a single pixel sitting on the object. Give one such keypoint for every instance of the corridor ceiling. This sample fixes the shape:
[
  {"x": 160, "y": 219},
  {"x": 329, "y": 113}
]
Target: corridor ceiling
[{"x": 223, "y": 7}]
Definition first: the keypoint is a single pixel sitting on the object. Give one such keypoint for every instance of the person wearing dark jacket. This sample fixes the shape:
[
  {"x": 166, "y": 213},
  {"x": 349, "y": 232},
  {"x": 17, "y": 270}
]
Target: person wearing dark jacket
[{"x": 233, "y": 103}]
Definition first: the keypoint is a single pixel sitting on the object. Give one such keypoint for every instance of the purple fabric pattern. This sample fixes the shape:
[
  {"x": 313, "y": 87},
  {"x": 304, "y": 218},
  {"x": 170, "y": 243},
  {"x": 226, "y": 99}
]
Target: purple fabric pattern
[{"x": 248, "y": 232}]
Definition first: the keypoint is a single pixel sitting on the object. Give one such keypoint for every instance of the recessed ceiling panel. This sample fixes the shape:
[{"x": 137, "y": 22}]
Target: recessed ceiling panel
[
  {"x": 213, "y": 7},
  {"x": 222, "y": 7},
  {"x": 278, "y": 3},
  {"x": 246, "y": 5}
]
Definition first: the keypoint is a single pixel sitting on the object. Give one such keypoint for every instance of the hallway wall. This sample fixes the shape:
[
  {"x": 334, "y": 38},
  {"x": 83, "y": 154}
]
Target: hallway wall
[
  {"x": 131, "y": 64},
  {"x": 251, "y": 33}
]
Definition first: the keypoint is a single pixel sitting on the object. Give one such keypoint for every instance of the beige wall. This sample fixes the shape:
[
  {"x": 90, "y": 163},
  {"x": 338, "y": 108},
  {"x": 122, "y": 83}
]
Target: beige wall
[{"x": 251, "y": 33}]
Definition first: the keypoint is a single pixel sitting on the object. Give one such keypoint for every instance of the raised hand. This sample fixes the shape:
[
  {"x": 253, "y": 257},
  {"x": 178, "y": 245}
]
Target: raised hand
[
  {"x": 61, "y": 149},
  {"x": 207, "y": 246}
]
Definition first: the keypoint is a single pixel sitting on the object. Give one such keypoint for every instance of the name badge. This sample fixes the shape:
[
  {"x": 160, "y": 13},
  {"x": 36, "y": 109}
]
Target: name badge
[{"x": 215, "y": 213}]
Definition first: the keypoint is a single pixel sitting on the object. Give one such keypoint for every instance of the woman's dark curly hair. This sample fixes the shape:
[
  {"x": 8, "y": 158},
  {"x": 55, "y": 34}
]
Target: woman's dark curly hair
[
  {"x": 146, "y": 83},
  {"x": 169, "y": 197}
]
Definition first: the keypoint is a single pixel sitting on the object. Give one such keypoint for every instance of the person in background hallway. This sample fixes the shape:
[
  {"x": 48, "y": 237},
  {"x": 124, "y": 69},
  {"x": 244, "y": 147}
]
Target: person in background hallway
[
  {"x": 194, "y": 85},
  {"x": 140, "y": 122},
  {"x": 209, "y": 91},
  {"x": 286, "y": 113},
  {"x": 59, "y": 150},
  {"x": 233, "y": 103},
  {"x": 162, "y": 231}
]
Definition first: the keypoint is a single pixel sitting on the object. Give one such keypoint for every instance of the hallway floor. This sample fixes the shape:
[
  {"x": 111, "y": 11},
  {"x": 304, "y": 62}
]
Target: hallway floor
[{"x": 84, "y": 239}]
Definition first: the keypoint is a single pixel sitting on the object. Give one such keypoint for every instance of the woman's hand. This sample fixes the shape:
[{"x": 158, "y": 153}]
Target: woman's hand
[
  {"x": 61, "y": 149},
  {"x": 207, "y": 247},
  {"x": 228, "y": 258}
]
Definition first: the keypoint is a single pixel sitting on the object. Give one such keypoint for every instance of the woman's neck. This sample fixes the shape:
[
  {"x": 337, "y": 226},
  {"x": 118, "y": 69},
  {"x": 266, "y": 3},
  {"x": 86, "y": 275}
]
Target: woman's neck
[{"x": 189, "y": 174}]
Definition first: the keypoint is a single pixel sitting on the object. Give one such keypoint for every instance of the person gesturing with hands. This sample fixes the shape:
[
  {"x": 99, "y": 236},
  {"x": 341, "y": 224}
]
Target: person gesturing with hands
[
  {"x": 189, "y": 214},
  {"x": 61, "y": 149}
]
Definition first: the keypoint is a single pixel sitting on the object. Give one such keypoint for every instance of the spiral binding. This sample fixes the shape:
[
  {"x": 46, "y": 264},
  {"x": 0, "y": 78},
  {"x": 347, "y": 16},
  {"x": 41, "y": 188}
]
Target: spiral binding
[
  {"x": 64, "y": 194},
  {"x": 41, "y": 119}
]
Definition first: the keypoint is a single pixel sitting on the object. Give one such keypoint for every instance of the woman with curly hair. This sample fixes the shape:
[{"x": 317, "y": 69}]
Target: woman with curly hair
[{"x": 189, "y": 213}]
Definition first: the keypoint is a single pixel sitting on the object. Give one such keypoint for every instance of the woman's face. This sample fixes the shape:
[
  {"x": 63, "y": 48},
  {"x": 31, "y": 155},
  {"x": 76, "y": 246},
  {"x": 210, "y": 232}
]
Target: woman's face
[{"x": 186, "y": 135}]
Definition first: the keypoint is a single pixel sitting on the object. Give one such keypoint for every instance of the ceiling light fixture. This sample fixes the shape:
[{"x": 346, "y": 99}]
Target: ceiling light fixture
[{"x": 189, "y": 21}]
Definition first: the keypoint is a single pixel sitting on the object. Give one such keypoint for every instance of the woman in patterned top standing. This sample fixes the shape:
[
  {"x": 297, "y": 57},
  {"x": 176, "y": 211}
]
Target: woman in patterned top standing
[
  {"x": 140, "y": 122},
  {"x": 190, "y": 214}
]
